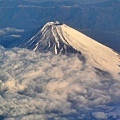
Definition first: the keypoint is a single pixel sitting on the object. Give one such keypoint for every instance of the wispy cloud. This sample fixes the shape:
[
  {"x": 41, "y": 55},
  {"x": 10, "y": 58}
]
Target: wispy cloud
[
  {"x": 2, "y": 32},
  {"x": 46, "y": 86},
  {"x": 10, "y": 30},
  {"x": 15, "y": 36}
]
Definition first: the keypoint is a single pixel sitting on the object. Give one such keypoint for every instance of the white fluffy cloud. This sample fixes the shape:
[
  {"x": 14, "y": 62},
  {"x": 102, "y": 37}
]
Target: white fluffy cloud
[{"x": 44, "y": 86}]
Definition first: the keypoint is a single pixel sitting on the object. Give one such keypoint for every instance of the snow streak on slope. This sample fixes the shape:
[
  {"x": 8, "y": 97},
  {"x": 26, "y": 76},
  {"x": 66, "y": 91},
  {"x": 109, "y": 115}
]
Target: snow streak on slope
[
  {"x": 60, "y": 38},
  {"x": 43, "y": 86},
  {"x": 49, "y": 38}
]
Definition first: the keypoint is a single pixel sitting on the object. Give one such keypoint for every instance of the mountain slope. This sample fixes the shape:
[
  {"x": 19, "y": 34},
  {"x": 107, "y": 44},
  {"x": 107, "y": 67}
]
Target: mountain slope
[
  {"x": 50, "y": 38},
  {"x": 60, "y": 38}
]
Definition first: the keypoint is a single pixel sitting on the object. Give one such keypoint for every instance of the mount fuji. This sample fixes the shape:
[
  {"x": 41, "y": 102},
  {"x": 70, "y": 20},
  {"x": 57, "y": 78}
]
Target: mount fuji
[
  {"x": 81, "y": 82},
  {"x": 59, "y": 38},
  {"x": 50, "y": 38}
]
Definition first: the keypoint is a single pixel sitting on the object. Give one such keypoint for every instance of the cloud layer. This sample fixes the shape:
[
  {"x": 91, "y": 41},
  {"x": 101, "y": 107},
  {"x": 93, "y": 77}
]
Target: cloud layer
[{"x": 46, "y": 86}]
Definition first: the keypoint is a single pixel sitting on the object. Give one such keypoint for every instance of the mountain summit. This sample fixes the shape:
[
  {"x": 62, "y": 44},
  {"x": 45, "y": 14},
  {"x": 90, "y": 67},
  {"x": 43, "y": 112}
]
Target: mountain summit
[
  {"x": 60, "y": 38},
  {"x": 51, "y": 38}
]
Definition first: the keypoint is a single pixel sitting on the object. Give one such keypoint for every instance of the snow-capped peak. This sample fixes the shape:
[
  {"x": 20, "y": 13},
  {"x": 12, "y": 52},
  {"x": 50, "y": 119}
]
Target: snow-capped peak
[
  {"x": 60, "y": 38},
  {"x": 50, "y": 38}
]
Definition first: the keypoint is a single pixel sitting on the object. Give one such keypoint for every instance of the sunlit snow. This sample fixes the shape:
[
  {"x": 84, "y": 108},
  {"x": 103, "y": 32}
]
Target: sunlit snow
[{"x": 60, "y": 38}]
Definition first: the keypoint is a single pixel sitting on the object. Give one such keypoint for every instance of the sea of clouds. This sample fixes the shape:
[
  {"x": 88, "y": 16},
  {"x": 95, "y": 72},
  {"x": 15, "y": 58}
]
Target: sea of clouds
[{"x": 43, "y": 86}]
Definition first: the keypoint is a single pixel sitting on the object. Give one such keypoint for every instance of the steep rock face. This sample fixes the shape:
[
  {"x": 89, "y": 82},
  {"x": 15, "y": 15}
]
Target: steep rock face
[{"x": 60, "y": 38}]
